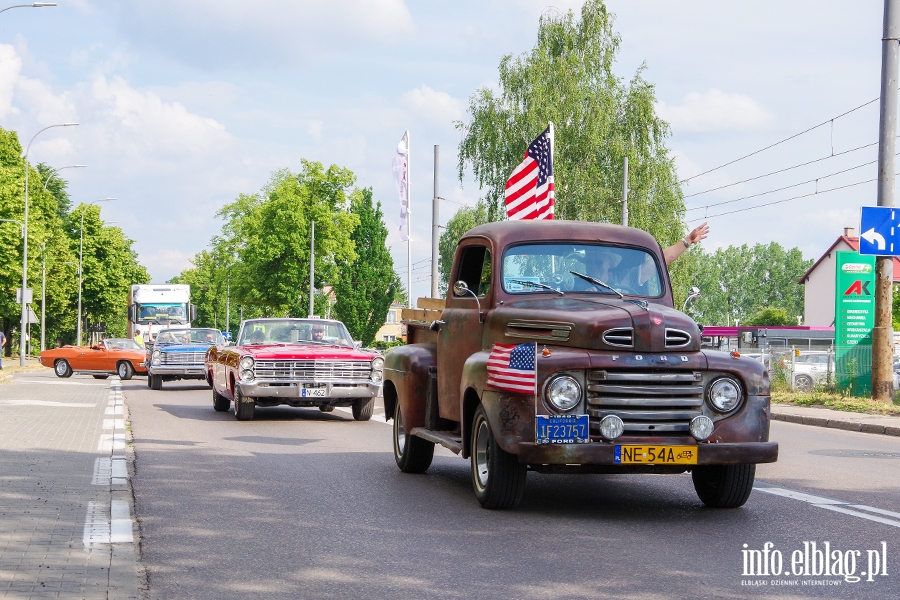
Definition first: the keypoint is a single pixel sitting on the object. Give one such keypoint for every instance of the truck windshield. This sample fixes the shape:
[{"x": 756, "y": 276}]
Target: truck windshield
[
  {"x": 569, "y": 267},
  {"x": 162, "y": 312}
]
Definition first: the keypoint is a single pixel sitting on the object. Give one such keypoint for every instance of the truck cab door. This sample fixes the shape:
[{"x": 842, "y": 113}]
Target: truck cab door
[{"x": 461, "y": 334}]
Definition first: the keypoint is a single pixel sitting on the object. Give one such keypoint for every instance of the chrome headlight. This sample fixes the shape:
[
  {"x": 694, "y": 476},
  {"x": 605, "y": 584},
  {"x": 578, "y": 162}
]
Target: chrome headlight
[
  {"x": 248, "y": 375},
  {"x": 701, "y": 427},
  {"x": 377, "y": 376},
  {"x": 247, "y": 364},
  {"x": 724, "y": 395},
  {"x": 563, "y": 393},
  {"x": 377, "y": 363},
  {"x": 156, "y": 358}
]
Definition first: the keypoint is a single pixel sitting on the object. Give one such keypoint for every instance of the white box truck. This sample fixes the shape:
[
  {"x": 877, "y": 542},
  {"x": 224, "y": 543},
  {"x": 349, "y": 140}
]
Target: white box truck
[{"x": 154, "y": 307}]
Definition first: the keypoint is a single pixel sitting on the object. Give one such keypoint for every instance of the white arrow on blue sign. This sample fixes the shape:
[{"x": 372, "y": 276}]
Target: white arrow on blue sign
[{"x": 879, "y": 228}]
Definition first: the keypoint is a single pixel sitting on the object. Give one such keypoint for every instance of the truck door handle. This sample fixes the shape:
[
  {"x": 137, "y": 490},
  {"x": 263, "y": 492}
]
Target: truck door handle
[{"x": 436, "y": 324}]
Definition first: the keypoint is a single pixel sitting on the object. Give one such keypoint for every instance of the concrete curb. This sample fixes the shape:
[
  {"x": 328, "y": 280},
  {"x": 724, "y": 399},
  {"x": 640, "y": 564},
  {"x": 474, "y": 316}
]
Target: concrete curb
[
  {"x": 126, "y": 576},
  {"x": 861, "y": 422}
]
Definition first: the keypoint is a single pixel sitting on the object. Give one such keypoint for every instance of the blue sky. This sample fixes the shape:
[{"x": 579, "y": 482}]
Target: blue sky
[{"x": 184, "y": 105}]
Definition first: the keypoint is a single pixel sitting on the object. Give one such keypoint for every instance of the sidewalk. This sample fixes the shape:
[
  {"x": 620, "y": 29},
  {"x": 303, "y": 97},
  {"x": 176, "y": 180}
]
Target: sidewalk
[
  {"x": 837, "y": 419},
  {"x": 65, "y": 499}
]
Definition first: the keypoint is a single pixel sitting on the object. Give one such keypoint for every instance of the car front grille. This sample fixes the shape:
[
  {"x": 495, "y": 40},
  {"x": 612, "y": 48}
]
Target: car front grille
[
  {"x": 313, "y": 370},
  {"x": 649, "y": 403},
  {"x": 183, "y": 358}
]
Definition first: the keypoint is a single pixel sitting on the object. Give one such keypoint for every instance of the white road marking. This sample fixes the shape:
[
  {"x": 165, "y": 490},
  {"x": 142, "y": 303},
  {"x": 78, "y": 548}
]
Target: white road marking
[
  {"x": 114, "y": 424},
  {"x": 120, "y": 527},
  {"x": 377, "y": 413},
  {"x": 115, "y": 409},
  {"x": 51, "y": 382},
  {"x": 839, "y": 506},
  {"x": 46, "y": 403}
]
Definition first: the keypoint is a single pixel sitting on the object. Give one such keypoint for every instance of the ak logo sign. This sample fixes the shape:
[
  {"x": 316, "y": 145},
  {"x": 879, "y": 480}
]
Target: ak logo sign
[{"x": 858, "y": 288}]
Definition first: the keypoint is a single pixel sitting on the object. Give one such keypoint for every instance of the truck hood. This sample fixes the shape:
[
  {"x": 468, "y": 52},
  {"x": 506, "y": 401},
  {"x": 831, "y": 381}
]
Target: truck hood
[
  {"x": 594, "y": 323},
  {"x": 304, "y": 352}
]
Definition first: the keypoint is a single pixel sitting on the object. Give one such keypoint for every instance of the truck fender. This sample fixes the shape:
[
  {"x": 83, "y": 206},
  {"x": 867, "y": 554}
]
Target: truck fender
[
  {"x": 510, "y": 415},
  {"x": 406, "y": 371}
]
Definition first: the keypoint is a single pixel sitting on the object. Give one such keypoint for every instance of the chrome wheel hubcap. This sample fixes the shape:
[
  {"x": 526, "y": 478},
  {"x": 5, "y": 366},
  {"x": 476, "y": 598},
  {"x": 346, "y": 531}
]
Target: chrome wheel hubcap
[
  {"x": 482, "y": 453},
  {"x": 399, "y": 433}
]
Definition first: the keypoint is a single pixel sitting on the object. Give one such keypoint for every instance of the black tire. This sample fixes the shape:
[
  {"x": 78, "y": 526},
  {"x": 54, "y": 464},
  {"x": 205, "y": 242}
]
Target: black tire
[
  {"x": 61, "y": 368},
  {"x": 155, "y": 382},
  {"x": 362, "y": 408},
  {"x": 125, "y": 370},
  {"x": 803, "y": 383},
  {"x": 149, "y": 381},
  {"x": 220, "y": 402},
  {"x": 100, "y": 376},
  {"x": 497, "y": 476},
  {"x": 326, "y": 408},
  {"x": 413, "y": 454},
  {"x": 243, "y": 407},
  {"x": 724, "y": 486}
]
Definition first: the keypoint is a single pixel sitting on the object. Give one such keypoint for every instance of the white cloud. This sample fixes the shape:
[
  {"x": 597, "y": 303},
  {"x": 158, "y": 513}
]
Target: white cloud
[
  {"x": 314, "y": 129},
  {"x": 438, "y": 107},
  {"x": 166, "y": 261},
  {"x": 10, "y": 65},
  {"x": 715, "y": 110}
]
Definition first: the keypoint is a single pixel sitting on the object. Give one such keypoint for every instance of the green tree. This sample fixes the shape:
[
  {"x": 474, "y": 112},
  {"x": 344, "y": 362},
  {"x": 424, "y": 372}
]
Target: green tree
[
  {"x": 269, "y": 234},
  {"x": 568, "y": 78},
  {"x": 366, "y": 285},
  {"x": 57, "y": 188},
  {"x": 738, "y": 281},
  {"x": 465, "y": 219},
  {"x": 772, "y": 317}
]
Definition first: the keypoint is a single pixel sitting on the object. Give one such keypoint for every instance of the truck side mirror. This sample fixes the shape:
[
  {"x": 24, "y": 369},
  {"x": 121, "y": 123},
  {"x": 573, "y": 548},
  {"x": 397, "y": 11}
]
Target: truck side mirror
[
  {"x": 193, "y": 313},
  {"x": 460, "y": 288},
  {"x": 132, "y": 313}
]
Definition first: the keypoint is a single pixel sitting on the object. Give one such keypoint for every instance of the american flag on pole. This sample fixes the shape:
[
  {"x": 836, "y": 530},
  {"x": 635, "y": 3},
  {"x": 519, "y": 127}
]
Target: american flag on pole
[
  {"x": 512, "y": 368},
  {"x": 529, "y": 190}
]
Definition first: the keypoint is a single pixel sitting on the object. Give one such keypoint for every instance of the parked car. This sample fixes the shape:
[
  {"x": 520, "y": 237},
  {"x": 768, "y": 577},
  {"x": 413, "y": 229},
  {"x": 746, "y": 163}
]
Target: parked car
[
  {"x": 181, "y": 354},
  {"x": 812, "y": 369},
  {"x": 297, "y": 362},
  {"x": 120, "y": 356}
]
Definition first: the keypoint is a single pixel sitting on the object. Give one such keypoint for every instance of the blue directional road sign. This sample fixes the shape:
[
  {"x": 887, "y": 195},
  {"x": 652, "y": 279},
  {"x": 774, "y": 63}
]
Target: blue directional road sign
[{"x": 879, "y": 228}]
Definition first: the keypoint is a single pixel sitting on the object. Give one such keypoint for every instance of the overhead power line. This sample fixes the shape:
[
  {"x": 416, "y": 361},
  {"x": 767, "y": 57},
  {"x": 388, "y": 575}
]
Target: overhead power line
[
  {"x": 787, "y": 187},
  {"x": 787, "y": 139},
  {"x": 722, "y": 187},
  {"x": 817, "y": 192}
]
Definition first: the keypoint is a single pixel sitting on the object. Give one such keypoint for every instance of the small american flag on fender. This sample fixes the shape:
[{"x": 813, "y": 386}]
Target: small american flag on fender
[{"x": 512, "y": 368}]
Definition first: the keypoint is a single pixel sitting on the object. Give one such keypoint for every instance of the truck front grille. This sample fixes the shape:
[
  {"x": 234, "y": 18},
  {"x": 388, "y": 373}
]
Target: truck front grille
[
  {"x": 183, "y": 358},
  {"x": 313, "y": 370},
  {"x": 649, "y": 403}
]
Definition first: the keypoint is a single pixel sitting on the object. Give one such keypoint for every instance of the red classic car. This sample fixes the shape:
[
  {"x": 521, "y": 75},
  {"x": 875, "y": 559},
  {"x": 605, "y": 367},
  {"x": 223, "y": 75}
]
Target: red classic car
[
  {"x": 114, "y": 355},
  {"x": 298, "y": 362}
]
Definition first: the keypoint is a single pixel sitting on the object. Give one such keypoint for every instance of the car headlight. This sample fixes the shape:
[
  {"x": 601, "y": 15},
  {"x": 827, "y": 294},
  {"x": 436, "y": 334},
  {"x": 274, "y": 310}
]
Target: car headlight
[
  {"x": 377, "y": 363},
  {"x": 156, "y": 358},
  {"x": 563, "y": 393},
  {"x": 724, "y": 395},
  {"x": 247, "y": 364},
  {"x": 247, "y": 375},
  {"x": 377, "y": 376}
]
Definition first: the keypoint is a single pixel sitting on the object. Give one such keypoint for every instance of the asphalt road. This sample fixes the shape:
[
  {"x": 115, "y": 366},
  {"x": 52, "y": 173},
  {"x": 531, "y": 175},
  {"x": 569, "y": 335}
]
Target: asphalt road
[{"x": 301, "y": 504}]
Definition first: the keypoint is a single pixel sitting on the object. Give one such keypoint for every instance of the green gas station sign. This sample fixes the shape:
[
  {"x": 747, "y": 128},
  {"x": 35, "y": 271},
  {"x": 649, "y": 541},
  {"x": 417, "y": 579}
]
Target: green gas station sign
[{"x": 854, "y": 318}]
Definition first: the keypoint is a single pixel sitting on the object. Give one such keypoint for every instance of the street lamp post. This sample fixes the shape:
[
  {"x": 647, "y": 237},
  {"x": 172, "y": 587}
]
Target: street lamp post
[
  {"x": 56, "y": 172},
  {"x": 32, "y": 5},
  {"x": 81, "y": 264},
  {"x": 25, "y": 248}
]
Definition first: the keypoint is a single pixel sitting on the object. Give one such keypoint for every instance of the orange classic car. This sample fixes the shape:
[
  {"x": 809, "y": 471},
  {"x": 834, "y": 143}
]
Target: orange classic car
[{"x": 114, "y": 355}]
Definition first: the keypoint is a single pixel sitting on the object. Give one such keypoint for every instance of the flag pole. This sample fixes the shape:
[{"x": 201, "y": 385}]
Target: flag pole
[{"x": 409, "y": 300}]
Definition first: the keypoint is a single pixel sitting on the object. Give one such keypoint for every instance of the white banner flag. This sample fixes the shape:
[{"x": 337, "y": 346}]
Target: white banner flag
[{"x": 401, "y": 177}]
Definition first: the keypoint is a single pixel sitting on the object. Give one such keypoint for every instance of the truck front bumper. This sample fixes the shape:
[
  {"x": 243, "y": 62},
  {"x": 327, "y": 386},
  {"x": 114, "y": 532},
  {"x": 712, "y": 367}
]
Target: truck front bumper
[
  {"x": 600, "y": 453},
  {"x": 293, "y": 390}
]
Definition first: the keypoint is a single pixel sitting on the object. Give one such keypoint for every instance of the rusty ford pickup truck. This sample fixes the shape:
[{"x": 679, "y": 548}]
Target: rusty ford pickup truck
[{"x": 558, "y": 350}]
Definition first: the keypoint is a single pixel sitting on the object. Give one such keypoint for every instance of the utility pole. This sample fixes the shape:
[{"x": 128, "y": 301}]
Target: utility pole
[
  {"x": 228, "y": 305},
  {"x": 312, "y": 267},
  {"x": 43, "y": 294},
  {"x": 625, "y": 193},
  {"x": 882, "y": 334},
  {"x": 435, "y": 224}
]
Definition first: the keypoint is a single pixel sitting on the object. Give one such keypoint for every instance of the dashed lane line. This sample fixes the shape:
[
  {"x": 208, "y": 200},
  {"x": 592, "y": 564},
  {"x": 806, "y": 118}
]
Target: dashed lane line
[{"x": 847, "y": 508}]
